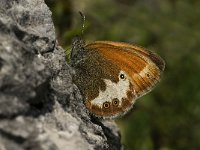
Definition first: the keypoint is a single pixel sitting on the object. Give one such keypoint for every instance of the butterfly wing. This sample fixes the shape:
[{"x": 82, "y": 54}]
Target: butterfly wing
[
  {"x": 112, "y": 75},
  {"x": 143, "y": 66}
]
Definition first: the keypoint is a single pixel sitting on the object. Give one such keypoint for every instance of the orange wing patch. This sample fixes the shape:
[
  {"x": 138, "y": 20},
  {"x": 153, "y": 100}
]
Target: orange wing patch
[{"x": 143, "y": 66}]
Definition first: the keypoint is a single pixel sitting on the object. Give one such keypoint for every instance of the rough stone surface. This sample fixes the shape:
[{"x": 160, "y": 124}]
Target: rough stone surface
[{"x": 40, "y": 107}]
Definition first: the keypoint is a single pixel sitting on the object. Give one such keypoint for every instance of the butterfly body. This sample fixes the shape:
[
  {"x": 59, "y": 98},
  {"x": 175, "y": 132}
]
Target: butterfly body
[{"x": 112, "y": 75}]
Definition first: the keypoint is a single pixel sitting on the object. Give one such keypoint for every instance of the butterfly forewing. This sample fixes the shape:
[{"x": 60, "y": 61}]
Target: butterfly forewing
[{"x": 143, "y": 66}]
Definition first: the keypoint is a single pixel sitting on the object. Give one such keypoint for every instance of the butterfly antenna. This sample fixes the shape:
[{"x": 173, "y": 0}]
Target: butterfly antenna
[{"x": 83, "y": 22}]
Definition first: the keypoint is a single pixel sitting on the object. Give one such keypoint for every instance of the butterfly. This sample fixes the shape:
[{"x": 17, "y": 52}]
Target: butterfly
[{"x": 112, "y": 75}]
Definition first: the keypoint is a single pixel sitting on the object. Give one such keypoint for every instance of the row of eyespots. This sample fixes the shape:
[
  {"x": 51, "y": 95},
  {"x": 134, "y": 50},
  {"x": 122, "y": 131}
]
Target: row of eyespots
[{"x": 115, "y": 102}]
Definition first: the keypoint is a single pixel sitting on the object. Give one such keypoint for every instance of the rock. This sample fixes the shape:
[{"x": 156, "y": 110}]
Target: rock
[{"x": 40, "y": 107}]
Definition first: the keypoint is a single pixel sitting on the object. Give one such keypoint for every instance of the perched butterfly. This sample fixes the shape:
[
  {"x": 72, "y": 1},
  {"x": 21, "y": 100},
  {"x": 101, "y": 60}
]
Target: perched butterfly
[{"x": 112, "y": 75}]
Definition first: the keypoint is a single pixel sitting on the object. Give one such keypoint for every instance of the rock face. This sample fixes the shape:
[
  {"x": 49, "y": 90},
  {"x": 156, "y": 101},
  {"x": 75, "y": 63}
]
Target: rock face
[{"x": 40, "y": 107}]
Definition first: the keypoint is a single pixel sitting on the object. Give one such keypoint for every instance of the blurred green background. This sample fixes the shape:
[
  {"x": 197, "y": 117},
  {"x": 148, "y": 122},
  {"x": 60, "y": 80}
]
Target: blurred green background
[{"x": 168, "y": 118}]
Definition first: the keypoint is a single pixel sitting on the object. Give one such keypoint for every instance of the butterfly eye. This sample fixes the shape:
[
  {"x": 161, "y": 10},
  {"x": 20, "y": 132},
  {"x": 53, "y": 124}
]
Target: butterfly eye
[
  {"x": 115, "y": 102},
  {"x": 122, "y": 76},
  {"x": 106, "y": 104}
]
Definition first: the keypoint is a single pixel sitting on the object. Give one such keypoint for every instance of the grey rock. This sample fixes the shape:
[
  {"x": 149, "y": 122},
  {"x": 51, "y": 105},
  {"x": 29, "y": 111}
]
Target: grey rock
[{"x": 40, "y": 107}]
